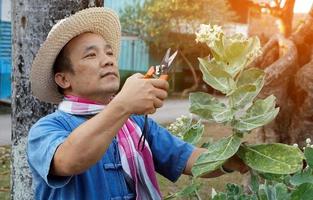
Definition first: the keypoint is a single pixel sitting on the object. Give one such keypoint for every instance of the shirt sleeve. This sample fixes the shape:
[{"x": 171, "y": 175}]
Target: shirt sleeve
[
  {"x": 170, "y": 154},
  {"x": 43, "y": 140}
]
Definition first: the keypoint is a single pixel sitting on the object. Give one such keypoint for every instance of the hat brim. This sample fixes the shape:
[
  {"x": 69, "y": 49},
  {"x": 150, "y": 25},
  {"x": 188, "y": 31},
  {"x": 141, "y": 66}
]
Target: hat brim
[{"x": 102, "y": 21}]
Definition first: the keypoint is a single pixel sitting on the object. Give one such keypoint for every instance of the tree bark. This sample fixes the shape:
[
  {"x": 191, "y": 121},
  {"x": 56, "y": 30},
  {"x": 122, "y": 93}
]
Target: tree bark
[
  {"x": 289, "y": 70},
  {"x": 286, "y": 17},
  {"x": 31, "y": 22},
  {"x": 194, "y": 75}
]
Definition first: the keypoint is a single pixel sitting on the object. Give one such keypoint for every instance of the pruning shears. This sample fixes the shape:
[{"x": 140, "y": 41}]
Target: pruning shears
[{"x": 159, "y": 71}]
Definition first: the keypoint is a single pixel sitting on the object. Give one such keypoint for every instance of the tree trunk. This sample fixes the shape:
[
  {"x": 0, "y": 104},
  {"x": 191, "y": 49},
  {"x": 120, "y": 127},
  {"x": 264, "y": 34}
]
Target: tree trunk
[
  {"x": 286, "y": 17},
  {"x": 31, "y": 22},
  {"x": 194, "y": 75},
  {"x": 289, "y": 70}
]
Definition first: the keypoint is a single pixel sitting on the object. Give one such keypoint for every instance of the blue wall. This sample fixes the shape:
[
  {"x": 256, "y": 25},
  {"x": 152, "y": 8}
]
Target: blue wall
[
  {"x": 134, "y": 54},
  {"x": 5, "y": 60}
]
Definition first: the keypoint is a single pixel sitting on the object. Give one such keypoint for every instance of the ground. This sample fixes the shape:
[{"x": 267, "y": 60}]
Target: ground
[
  {"x": 4, "y": 173},
  {"x": 213, "y": 131}
]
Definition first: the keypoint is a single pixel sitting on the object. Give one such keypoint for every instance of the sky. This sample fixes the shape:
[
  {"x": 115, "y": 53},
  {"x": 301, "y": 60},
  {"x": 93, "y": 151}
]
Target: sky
[{"x": 303, "y": 6}]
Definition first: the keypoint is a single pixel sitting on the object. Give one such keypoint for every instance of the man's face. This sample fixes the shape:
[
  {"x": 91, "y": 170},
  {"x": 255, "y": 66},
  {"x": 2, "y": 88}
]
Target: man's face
[{"x": 95, "y": 68}]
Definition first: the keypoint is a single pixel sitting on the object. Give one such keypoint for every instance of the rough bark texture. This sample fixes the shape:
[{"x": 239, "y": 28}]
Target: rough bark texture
[
  {"x": 31, "y": 22},
  {"x": 289, "y": 70}
]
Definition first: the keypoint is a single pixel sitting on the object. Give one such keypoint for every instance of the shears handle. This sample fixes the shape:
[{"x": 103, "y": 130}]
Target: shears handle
[{"x": 150, "y": 73}]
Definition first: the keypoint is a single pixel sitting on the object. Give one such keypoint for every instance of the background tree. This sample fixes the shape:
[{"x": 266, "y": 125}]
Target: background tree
[
  {"x": 163, "y": 24},
  {"x": 32, "y": 20},
  {"x": 289, "y": 67},
  {"x": 282, "y": 9}
]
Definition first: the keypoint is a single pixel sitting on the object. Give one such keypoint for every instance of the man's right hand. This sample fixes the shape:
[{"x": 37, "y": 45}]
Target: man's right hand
[{"x": 142, "y": 96}]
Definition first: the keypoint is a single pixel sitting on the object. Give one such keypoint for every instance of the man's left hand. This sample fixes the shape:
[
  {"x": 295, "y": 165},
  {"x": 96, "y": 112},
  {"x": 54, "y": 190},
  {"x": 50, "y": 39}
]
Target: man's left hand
[{"x": 236, "y": 164}]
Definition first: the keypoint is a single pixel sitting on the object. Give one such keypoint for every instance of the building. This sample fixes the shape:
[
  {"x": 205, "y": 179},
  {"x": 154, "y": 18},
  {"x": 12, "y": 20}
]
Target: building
[
  {"x": 134, "y": 55},
  {"x": 5, "y": 49}
]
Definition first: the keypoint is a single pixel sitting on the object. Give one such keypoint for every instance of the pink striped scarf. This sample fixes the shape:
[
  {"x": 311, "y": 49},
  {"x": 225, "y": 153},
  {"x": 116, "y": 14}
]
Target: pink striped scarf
[{"x": 138, "y": 164}]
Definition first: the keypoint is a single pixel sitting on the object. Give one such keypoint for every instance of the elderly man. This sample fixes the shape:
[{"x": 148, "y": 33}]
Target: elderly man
[{"x": 87, "y": 148}]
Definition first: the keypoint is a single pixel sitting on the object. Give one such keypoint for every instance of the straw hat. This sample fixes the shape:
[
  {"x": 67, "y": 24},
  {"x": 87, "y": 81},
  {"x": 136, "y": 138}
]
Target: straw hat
[{"x": 102, "y": 21}]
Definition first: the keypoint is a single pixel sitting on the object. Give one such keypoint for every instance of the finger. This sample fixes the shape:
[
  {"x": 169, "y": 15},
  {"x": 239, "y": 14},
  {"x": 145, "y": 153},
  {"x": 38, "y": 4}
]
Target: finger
[
  {"x": 151, "y": 111},
  {"x": 159, "y": 83},
  {"x": 160, "y": 94},
  {"x": 157, "y": 103},
  {"x": 137, "y": 75}
]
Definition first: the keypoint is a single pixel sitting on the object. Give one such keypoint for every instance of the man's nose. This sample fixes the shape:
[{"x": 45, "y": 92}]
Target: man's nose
[{"x": 107, "y": 61}]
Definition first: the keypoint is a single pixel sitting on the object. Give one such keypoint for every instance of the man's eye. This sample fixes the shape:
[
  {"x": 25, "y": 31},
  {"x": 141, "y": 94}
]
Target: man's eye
[
  {"x": 90, "y": 55},
  {"x": 110, "y": 53}
]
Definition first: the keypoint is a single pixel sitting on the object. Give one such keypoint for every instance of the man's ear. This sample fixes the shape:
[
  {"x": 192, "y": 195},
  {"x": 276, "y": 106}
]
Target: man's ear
[{"x": 62, "y": 80}]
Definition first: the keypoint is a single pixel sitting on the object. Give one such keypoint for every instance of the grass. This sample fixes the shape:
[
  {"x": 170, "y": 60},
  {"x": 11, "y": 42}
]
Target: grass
[
  {"x": 5, "y": 173},
  {"x": 214, "y": 131}
]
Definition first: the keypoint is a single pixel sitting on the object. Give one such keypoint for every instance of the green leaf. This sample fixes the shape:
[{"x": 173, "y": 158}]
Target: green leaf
[
  {"x": 303, "y": 192},
  {"x": 233, "y": 189},
  {"x": 308, "y": 153},
  {"x": 252, "y": 76},
  {"x": 208, "y": 107},
  {"x": 198, "y": 170},
  {"x": 249, "y": 86},
  {"x": 236, "y": 53},
  {"x": 243, "y": 96},
  {"x": 275, "y": 177},
  {"x": 278, "y": 191},
  {"x": 194, "y": 134},
  {"x": 220, "y": 196},
  {"x": 305, "y": 176},
  {"x": 259, "y": 114},
  {"x": 254, "y": 182},
  {"x": 218, "y": 152},
  {"x": 189, "y": 191},
  {"x": 272, "y": 158},
  {"x": 234, "y": 192},
  {"x": 215, "y": 76},
  {"x": 281, "y": 192}
]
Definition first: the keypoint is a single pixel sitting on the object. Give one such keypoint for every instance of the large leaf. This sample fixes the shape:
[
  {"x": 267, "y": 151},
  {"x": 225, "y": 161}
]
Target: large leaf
[
  {"x": 260, "y": 113},
  {"x": 208, "y": 107},
  {"x": 194, "y": 134},
  {"x": 218, "y": 152},
  {"x": 215, "y": 76},
  {"x": 272, "y": 158},
  {"x": 303, "y": 192}
]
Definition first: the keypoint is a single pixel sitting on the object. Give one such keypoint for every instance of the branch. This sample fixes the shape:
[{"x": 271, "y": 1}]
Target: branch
[{"x": 305, "y": 31}]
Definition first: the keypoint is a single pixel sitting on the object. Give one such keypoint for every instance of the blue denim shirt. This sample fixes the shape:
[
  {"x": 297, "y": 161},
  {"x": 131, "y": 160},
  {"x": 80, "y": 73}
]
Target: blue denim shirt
[{"x": 104, "y": 180}]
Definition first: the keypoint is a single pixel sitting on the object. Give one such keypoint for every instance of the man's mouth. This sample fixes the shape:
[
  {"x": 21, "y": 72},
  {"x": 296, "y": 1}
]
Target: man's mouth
[{"x": 108, "y": 74}]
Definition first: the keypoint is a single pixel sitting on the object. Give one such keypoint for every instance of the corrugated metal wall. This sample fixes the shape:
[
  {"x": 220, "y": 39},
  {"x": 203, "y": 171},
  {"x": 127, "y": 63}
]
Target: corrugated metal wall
[
  {"x": 5, "y": 60},
  {"x": 134, "y": 55}
]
